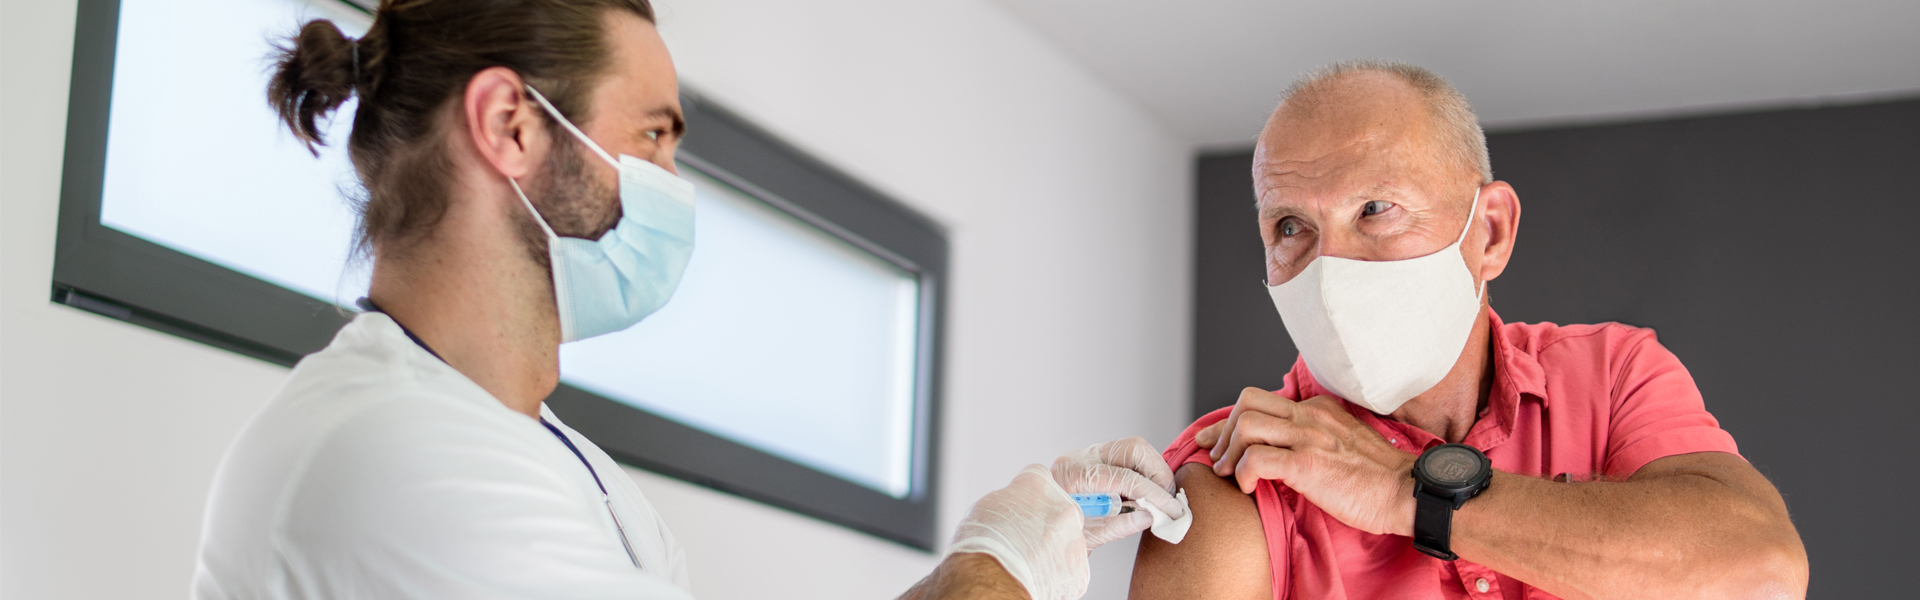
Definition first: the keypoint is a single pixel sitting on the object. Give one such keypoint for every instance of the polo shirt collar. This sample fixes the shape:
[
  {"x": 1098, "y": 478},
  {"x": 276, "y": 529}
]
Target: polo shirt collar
[{"x": 1517, "y": 369}]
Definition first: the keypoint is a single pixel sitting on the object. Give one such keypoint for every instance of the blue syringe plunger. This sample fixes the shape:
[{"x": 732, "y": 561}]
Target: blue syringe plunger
[{"x": 1099, "y": 505}]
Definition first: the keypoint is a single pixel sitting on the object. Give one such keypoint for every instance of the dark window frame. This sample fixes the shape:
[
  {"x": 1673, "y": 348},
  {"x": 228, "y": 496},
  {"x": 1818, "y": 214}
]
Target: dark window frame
[{"x": 105, "y": 271}]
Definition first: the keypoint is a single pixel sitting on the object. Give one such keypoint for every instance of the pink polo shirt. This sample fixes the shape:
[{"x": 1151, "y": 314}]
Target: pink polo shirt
[{"x": 1585, "y": 401}]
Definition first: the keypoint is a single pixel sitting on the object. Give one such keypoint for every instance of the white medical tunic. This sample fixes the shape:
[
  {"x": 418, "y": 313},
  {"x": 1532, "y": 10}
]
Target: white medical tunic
[{"x": 380, "y": 472}]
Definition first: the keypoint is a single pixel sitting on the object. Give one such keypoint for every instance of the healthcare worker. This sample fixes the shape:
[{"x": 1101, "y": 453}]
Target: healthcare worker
[{"x": 518, "y": 162}]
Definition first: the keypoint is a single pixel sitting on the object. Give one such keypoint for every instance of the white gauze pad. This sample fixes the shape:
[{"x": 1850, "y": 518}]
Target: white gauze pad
[{"x": 1168, "y": 528}]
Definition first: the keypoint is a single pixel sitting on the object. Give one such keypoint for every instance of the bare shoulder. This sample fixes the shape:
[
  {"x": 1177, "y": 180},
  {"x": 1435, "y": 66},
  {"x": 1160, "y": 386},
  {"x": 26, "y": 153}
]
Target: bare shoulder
[{"x": 1223, "y": 556}]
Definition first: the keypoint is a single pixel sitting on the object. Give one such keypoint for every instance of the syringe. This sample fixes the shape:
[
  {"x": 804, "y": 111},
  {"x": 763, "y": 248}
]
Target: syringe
[{"x": 1101, "y": 504}]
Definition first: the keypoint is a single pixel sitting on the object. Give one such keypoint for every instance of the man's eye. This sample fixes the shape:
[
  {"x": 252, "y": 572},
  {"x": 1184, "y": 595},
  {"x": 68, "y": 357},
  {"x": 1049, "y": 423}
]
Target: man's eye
[
  {"x": 1375, "y": 207},
  {"x": 1289, "y": 227},
  {"x": 653, "y": 134}
]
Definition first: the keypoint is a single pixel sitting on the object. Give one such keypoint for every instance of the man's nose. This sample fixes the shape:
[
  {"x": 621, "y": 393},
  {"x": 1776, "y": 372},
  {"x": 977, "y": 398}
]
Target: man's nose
[
  {"x": 1337, "y": 244},
  {"x": 1342, "y": 243}
]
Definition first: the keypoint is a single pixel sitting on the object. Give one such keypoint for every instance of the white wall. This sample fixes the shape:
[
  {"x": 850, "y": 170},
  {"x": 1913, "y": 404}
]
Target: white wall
[{"x": 1067, "y": 206}]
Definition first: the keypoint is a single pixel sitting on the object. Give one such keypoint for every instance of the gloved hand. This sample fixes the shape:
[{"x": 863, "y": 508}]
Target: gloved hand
[
  {"x": 1034, "y": 529},
  {"x": 1129, "y": 467}
]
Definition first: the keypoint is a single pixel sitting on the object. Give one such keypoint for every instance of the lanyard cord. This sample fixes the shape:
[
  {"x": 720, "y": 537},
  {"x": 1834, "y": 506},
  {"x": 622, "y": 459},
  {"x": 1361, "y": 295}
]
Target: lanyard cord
[
  {"x": 576, "y": 454},
  {"x": 366, "y": 304},
  {"x": 604, "y": 497}
]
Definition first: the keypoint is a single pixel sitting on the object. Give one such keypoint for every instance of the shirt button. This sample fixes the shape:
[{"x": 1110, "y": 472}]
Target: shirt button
[{"x": 1480, "y": 584}]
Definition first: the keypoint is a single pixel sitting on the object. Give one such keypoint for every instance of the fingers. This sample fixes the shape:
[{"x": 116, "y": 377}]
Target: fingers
[
  {"x": 1130, "y": 467},
  {"x": 1028, "y": 473},
  {"x": 1209, "y": 435},
  {"x": 1136, "y": 454},
  {"x": 1127, "y": 483},
  {"x": 1133, "y": 522},
  {"x": 1224, "y": 429},
  {"x": 1251, "y": 400},
  {"x": 1140, "y": 489},
  {"x": 1325, "y": 402},
  {"x": 1106, "y": 529},
  {"x": 1264, "y": 462},
  {"x": 1258, "y": 429},
  {"x": 1039, "y": 481}
]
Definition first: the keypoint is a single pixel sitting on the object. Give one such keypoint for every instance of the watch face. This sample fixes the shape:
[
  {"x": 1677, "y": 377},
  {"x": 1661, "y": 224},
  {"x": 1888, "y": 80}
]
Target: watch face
[{"x": 1452, "y": 466}]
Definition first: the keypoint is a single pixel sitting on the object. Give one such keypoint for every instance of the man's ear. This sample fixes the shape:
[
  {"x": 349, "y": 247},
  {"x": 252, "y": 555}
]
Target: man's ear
[
  {"x": 503, "y": 123},
  {"x": 1502, "y": 219}
]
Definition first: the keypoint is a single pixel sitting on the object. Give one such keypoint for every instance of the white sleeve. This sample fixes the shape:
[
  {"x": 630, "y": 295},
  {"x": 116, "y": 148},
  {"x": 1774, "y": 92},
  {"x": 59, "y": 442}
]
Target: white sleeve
[{"x": 402, "y": 502}]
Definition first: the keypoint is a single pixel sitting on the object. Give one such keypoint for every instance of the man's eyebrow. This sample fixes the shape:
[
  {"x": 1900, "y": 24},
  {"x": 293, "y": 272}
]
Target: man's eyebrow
[
  {"x": 1379, "y": 191},
  {"x": 1273, "y": 211},
  {"x": 1270, "y": 212}
]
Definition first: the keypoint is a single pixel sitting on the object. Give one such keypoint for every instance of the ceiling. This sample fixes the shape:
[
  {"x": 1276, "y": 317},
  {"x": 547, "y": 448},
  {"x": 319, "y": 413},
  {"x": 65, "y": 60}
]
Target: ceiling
[{"x": 1210, "y": 70}]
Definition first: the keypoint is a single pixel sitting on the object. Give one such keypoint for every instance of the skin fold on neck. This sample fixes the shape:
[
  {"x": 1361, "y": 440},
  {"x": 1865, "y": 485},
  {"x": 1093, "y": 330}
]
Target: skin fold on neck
[
  {"x": 1449, "y": 409},
  {"x": 473, "y": 292}
]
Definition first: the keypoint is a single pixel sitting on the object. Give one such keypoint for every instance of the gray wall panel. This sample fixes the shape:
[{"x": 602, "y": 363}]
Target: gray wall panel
[{"x": 1237, "y": 338}]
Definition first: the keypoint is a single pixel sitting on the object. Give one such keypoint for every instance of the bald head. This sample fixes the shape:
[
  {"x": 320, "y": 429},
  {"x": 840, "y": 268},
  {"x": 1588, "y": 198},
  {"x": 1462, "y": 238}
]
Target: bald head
[{"x": 1451, "y": 127}]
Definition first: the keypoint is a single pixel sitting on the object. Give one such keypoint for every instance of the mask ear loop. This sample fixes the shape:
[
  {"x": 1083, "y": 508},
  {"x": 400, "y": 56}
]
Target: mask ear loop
[
  {"x": 1481, "y": 293},
  {"x": 551, "y": 236},
  {"x": 561, "y": 293},
  {"x": 570, "y": 128}
]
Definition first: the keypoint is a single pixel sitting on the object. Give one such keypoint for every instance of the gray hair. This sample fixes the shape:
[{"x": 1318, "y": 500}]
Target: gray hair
[{"x": 1463, "y": 140}]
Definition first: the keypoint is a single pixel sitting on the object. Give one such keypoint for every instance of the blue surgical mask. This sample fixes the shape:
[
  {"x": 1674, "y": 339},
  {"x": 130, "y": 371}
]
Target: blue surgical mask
[{"x": 607, "y": 285}]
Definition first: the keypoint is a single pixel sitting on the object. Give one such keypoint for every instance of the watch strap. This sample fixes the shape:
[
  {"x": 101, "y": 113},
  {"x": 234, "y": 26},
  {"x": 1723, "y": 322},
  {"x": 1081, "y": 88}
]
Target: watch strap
[{"x": 1433, "y": 525}]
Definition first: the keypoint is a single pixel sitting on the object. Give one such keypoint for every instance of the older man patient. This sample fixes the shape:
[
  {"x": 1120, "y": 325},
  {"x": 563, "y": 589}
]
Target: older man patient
[{"x": 1572, "y": 461}]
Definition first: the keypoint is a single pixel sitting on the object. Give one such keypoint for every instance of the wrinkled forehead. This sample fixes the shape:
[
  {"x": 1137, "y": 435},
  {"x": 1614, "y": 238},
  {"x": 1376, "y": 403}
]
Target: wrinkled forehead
[
  {"x": 1358, "y": 134},
  {"x": 1332, "y": 162}
]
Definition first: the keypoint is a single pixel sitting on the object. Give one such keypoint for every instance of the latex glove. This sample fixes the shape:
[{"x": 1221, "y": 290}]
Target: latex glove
[
  {"x": 1129, "y": 467},
  {"x": 1034, "y": 529}
]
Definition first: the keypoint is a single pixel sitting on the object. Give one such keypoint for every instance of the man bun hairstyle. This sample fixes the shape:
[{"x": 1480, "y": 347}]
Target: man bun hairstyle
[
  {"x": 416, "y": 59},
  {"x": 315, "y": 75}
]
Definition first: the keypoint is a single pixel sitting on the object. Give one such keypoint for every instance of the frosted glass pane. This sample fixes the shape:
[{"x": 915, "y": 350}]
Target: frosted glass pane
[
  {"x": 781, "y": 337},
  {"x": 196, "y": 160}
]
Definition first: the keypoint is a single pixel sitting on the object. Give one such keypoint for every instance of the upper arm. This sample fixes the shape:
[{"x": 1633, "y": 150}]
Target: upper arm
[
  {"x": 1223, "y": 556},
  {"x": 1656, "y": 411}
]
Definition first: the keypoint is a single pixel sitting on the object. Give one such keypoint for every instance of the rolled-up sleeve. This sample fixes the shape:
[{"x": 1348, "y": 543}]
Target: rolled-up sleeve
[
  {"x": 1657, "y": 410},
  {"x": 1276, "y": 517}
]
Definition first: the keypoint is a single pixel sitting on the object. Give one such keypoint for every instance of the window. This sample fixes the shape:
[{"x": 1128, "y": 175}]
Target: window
[
  {"x": 796, "y": 365},
  {"x": 782, "y": 336}
]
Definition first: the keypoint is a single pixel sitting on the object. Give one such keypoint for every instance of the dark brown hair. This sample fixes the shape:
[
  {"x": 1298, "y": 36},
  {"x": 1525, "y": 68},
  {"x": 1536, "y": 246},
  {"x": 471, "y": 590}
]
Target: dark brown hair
[{"x": 417, "y": 57}]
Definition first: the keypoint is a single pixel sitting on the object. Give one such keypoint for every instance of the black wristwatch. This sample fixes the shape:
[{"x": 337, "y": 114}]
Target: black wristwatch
[{"x": 1444, "y": 478}]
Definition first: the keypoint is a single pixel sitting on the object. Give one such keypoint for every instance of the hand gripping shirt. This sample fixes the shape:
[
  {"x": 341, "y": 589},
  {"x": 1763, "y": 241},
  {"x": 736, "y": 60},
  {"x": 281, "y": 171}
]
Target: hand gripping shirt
[
  {"x": 378, "y": 471},
  {"x": 1570, "y": 403}
]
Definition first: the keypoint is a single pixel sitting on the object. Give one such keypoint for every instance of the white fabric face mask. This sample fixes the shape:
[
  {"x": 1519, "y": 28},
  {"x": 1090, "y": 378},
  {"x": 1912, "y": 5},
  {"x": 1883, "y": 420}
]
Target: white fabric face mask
[{"x": 1379, "y": 333}]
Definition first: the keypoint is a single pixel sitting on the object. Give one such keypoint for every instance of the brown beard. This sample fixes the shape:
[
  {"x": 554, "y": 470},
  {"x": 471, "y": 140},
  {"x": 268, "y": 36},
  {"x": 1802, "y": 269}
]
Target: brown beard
[{"x": 573, "y": 202}]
